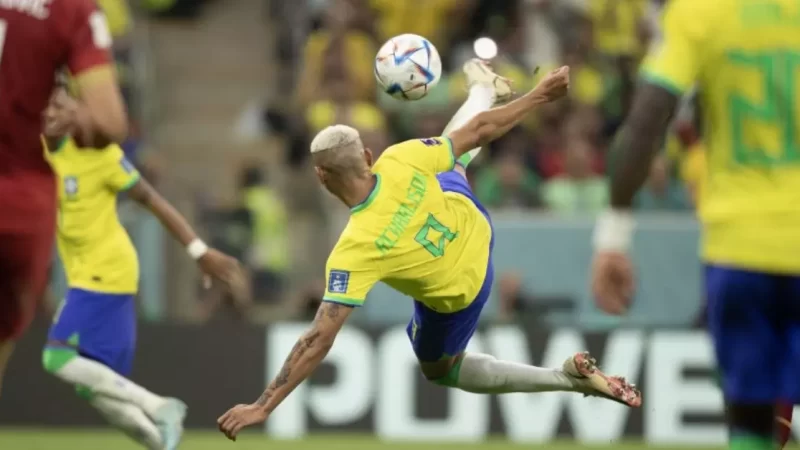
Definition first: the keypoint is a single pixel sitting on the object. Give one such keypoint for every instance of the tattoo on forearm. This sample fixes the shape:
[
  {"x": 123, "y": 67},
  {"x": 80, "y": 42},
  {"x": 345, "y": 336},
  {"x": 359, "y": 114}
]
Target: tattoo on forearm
[
  {"x": 327, "y": 311},
  {"x": 638, "y": 142},
  {"x": 300, "y": 348}
]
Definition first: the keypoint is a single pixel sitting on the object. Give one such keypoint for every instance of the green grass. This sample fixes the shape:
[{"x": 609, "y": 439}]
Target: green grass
[{"x": 48, "y": 439}]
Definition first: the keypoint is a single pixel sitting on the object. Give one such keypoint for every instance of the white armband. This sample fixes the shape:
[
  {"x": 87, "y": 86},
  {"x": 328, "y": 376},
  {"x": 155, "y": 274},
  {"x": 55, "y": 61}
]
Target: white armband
[
  {"x": 197, "y": 248},
  {"x": 614, "y": 231}
]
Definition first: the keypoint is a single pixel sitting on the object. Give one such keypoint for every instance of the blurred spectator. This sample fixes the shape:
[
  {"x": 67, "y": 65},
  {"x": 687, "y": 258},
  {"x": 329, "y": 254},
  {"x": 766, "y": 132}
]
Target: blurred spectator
[
  {"x": 515, "y": 303},
  {"x": 337, "y": 50},
  {"x": 269, "y": 252},
  {"x": 579, "y": 189},
  {"x": 437, "y": 20},
  {"x": 662, "y": 192},
  {"x": 619, "y": 26},
  {"x": 507, "y": 182},
  {"x": 693, "y": 169}
]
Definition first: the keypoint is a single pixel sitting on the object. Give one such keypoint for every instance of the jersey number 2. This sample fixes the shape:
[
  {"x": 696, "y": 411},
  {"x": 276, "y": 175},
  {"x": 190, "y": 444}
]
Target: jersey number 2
[
  {"x": 446, "y": 235},
  {"x": 776, "y": 115}
]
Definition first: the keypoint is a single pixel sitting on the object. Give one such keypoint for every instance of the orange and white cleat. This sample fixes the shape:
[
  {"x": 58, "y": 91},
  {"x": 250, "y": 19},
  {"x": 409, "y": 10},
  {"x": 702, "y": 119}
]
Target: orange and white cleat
[{"x": 590, "y": 381}]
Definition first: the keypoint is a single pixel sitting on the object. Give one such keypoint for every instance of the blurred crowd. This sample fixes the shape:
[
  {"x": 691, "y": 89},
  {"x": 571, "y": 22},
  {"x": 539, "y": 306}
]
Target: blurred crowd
[{"x": 557, "y": 160}]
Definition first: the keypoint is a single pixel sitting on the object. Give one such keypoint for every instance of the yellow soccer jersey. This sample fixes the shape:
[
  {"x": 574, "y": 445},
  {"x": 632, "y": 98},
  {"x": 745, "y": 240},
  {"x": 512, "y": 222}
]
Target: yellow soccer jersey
[
  {"x": 430, "y": 245},
  {"x": 745, "y": 57},
  {"x": 94, "y": 247}
]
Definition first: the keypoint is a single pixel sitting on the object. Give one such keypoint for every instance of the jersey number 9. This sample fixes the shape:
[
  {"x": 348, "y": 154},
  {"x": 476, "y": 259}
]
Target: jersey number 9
[{"x": 445, "y": 236}]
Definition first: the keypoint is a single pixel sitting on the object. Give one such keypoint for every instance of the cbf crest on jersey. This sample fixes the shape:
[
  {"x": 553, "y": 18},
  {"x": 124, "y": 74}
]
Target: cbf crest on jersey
[
  {"x": 338, "y": 281},
  {"x": 71, "y": 186}
]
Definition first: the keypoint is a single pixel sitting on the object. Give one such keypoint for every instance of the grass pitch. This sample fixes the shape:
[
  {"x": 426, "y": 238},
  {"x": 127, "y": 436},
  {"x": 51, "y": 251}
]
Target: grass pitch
[{"x": 49, "y": 439}]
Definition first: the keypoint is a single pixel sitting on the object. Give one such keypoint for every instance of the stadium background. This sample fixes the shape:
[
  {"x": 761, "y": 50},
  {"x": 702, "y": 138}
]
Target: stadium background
[{"x": 225, "y": 95}]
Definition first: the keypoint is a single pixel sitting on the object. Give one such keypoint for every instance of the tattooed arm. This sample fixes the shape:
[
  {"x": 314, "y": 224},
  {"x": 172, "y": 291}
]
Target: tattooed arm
[{"x": 306, "y": 355}]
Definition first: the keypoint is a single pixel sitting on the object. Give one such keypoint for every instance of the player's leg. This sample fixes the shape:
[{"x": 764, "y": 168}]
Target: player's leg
[
  {"x": 91, "y": 345},
  {"x": 440, "y": 340},
  {"x": 485, "y": 88},
  {"x": 24, "y": 261},
  {"x": 742, "y": 318},
  {"x": 783, "y": 420},
  {"x": 790, "y": 393}
]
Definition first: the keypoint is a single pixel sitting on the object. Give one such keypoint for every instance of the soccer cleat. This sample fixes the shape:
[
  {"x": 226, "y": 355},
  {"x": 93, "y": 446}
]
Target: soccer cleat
[
  {"x": 479, "y": 72},
  {"x": 169, "y": 420},
  {"x": 590, "y": 381}
]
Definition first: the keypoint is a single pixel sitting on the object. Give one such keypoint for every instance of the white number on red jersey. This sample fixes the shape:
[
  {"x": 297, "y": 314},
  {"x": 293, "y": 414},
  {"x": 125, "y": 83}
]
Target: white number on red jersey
[{"x": 101, "y": 35}]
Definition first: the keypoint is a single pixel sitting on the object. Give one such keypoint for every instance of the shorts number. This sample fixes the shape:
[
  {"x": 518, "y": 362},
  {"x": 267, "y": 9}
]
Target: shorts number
[
  {"x": 777, "y": 111},
  {"x": 446, "y": 235}
]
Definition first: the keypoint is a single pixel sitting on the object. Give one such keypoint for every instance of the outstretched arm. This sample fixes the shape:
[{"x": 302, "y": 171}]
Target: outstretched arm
[
  {"x": 146, "y": 196},
  {"x": 212, "y": 262},
  {"x": 490, "y": 125},
  {"x": 303, "y": 359}
]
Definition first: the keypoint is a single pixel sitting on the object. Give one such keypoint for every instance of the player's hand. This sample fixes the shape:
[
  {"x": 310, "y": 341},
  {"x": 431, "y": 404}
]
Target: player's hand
[
  {"x": 238, "y": 417},
  {"x": 554, "y": 85},
  {"x": 221, "y": 267},
  {"x": 612, "y": 281}
]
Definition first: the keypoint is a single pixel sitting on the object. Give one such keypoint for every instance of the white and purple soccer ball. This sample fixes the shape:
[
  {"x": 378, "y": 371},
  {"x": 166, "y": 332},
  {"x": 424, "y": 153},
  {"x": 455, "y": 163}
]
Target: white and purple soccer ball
[{"x": 407, "y": 67}]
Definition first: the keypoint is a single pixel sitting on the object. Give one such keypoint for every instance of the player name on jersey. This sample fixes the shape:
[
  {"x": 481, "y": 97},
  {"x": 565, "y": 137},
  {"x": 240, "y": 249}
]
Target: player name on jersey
[
  {"x": 400, "y": 220},
  {"x": 39, "y": 9}
]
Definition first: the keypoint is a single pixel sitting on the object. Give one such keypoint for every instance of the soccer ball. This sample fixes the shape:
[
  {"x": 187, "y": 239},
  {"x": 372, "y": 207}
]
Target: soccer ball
[{"x": 407, "y": 66}]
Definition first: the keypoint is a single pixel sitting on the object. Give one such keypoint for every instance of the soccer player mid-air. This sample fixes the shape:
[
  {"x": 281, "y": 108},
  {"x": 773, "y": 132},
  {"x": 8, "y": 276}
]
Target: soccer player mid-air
[
  {"x": 37, "y": 39},
  {"x": 744, "y": 57},
  {"x": 416, "y": 225},
  {"x": 92, "y": 341}
]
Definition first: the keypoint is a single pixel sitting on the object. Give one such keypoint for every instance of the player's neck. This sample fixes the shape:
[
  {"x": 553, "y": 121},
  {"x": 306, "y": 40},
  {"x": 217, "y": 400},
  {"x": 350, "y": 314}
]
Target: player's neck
[{"x": 357, "y": 191}]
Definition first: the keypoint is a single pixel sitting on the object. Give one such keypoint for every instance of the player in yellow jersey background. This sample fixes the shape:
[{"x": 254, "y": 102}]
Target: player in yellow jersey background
[
  {"x": 744, "y": 57},
  {"x": 92, "y": 340},
  {"x": 416, "y": 226}
]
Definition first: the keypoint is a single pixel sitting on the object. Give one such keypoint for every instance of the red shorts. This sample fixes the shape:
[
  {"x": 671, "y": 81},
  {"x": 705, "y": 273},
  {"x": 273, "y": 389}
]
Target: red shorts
[{"x": 24, "y": 264}]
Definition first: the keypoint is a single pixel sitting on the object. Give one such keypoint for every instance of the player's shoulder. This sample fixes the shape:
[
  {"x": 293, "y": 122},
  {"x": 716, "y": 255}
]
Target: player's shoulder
[
  {"x": 398, "y": 150},
  {"x": 354, "y": 242},
  {"x": 692, "y": 14}
]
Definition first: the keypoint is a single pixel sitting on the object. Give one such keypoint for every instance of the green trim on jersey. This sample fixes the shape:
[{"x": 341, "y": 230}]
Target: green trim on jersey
[{"x": 370, "y": 198}]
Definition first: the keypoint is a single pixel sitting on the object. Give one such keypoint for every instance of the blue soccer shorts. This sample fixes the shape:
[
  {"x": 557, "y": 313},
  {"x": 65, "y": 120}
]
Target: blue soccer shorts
[
  {"x": 754, "y": 320},
  {"x": 436, "y": 335},
  {"x": 100, "y": 326}
]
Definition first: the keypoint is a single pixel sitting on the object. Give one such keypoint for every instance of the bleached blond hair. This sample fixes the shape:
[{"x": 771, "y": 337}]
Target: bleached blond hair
[{"x": 338, "y": 149}]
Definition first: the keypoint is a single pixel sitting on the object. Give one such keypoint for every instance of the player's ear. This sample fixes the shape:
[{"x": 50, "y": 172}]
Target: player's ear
[
  {"x": 368, "y": 157},
  {"x": 320, "y": 174}
]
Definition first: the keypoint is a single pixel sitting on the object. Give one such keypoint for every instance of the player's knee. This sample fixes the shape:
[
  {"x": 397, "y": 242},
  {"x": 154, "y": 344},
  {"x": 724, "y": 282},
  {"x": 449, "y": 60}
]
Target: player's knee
[
  {"x": 54, "y": 358},
  {"x": 443, "y": 373}
]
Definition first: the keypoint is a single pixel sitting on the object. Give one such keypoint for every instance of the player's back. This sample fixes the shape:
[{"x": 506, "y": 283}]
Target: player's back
[
  {"x": 37, "y": 39},
  {"x": 426, "y": 243},
  {"x": 33, "y": 47},
  {"x": 745, "y": 55}
]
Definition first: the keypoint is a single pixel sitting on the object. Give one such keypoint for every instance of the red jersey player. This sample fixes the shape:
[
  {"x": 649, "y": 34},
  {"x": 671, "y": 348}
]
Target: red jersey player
[{"x": 37, "y": 39}]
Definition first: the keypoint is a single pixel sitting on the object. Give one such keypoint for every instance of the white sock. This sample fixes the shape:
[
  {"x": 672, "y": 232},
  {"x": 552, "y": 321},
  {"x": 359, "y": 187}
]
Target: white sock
[
  {"x": 485, "y": 374},
  {"x": 130, "y": 419},
  {"x": 480, "y": 99},
  {"x": 103, "y": 381}
]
